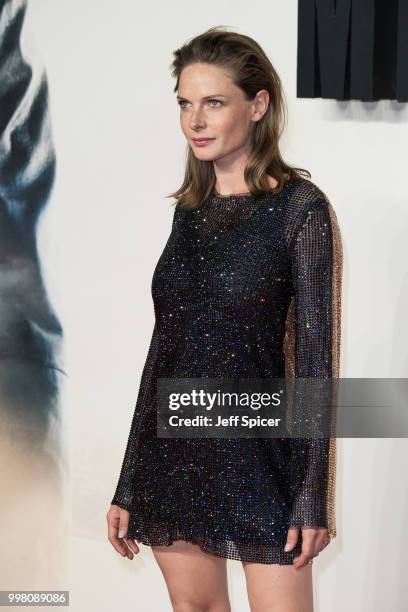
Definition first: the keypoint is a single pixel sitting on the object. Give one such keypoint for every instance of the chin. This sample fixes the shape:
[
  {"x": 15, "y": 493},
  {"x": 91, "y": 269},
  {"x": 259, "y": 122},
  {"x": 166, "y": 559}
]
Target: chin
[{"x": 204, "y": 157}]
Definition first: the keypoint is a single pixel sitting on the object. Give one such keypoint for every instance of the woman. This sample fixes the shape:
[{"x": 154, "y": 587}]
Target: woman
[{"x": 248, "y": 285}]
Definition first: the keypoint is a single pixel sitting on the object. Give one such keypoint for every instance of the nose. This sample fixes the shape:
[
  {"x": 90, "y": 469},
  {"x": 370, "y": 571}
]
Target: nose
[{"x": 196, "y": 119}]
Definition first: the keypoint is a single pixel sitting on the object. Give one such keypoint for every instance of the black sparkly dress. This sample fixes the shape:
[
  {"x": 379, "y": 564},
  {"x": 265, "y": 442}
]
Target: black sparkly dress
[{"x": 245, "y": 288}]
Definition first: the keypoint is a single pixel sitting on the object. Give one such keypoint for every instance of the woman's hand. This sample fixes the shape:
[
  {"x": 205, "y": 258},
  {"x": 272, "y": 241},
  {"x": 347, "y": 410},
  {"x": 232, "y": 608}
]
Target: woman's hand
[
  {"x": 314, "y": 540},
  {"x": 118, "y": 522}
]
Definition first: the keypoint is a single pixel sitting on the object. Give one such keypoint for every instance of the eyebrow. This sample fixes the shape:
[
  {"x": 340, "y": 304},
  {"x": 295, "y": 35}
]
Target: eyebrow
[{"x": 205, "y": 97}]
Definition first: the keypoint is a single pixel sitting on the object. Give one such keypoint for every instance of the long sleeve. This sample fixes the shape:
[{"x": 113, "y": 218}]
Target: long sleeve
[
  {"x": 314, "y": 321},
  {"x": 124, "y": 493},
  {"x": 123, "y": 496}
]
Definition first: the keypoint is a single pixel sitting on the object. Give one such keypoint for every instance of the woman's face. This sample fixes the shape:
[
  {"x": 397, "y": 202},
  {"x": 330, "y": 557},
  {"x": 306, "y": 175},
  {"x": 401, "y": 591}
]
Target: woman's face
[{"x": 212, "y": 107}]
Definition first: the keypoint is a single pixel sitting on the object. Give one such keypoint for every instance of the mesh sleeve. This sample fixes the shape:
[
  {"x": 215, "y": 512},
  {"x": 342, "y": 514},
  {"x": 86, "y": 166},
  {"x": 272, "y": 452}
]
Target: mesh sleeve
[
  {"x": 124, "y": 492},
  {"x": 123, "y": 496},
  {"x": 316, "y": 275}
]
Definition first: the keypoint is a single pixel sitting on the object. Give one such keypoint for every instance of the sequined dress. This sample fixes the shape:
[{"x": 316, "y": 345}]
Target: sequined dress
[{"x": 245, "y": 287}]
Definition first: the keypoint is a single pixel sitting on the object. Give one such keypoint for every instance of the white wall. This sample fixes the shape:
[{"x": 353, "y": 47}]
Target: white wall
[{"x": 120, "y": 151}]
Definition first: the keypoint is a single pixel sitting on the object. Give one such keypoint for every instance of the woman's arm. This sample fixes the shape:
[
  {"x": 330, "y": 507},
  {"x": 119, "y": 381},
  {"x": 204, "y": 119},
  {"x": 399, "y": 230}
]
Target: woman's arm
[
  {"x": 124, "y": 493},
  {"x": 316, "y": 259},
  {"x": 123, "y": 496}
]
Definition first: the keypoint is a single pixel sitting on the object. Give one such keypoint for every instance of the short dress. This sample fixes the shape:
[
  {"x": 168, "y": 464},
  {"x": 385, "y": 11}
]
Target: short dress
[{"x": 246, "y": 287}]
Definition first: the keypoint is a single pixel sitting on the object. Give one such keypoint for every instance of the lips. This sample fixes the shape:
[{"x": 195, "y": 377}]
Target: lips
[{"x": 199, "y": 142}]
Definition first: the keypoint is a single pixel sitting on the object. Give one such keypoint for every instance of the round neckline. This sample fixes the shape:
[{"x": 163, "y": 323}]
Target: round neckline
[
  {"x": 226, "y": 203},
  {"x": 241, "y": 198},
  {"x": 231, "y": 195}
]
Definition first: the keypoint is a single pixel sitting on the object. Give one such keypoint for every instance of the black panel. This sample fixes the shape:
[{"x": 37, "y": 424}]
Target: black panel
[
  {"x": 402, "y": 52},
  {"x": 353, "y": 49}
]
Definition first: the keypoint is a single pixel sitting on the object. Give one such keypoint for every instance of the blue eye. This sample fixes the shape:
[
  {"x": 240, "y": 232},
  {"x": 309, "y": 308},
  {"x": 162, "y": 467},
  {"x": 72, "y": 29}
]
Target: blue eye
[{"x": 218, "y": 102}]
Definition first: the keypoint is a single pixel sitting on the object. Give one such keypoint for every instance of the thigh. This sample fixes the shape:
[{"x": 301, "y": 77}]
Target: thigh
[
  {"x": 279, "y": 588},
  {"x": 195, "y": 579}
]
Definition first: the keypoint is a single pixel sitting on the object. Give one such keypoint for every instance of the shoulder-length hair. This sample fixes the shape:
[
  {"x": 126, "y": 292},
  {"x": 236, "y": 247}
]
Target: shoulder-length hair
[{"x": 251, "y": 70}]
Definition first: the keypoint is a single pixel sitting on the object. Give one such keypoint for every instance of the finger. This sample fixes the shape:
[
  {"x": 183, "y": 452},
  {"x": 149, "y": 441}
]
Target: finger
[
  {"x": 117, "y": 530},
  {"x": 123, "y": 532},
  {"x": 314, "y": 540},
  {"x": 117, "y": 544},
  {"x": 309, "y": 538},
  {"x": 323, "y": 541},
  {"x": 123, "y": 525},
  {"x": 129, "y": 552},
  {"x": 292, "y": 538},
  {"x": 302, "y": 560},
  {"x": 132, "y": 545}
]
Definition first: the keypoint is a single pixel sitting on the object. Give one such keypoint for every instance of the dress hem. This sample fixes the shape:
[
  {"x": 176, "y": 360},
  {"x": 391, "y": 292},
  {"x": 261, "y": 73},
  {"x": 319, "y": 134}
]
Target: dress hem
[{"x": 227, "y": 549}]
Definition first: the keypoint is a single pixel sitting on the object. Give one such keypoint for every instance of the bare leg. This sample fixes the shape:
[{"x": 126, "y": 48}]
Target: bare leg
[
  {"x": 196, "y": 581},
  {"x": 279, "y": 588}
]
